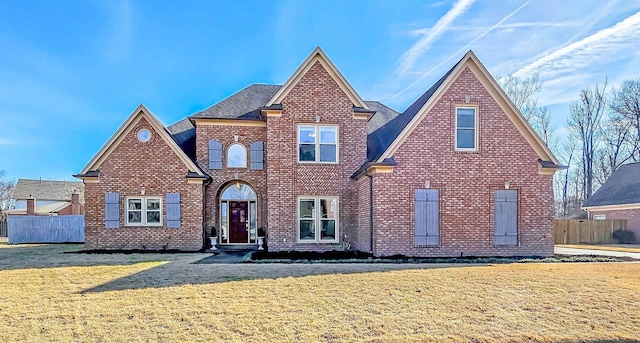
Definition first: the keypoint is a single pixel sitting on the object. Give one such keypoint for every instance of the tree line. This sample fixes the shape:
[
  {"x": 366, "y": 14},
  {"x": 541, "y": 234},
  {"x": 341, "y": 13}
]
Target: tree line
[{"x": 603, "y": 133}]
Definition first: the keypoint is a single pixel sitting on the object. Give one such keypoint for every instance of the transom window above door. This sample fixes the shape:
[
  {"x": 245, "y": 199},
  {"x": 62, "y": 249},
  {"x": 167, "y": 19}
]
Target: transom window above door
[{"x": 317, "y": 144}]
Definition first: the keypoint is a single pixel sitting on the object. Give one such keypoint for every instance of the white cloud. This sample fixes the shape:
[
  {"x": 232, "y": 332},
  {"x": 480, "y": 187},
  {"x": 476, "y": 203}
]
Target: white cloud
[
  {"x": 410, "y": 56},
  {"x": 465, "y": 47},
  {"x": 602, "y": 46},
  {"x": 509, "y": 27},
  {"x": 556, "y": 91}
]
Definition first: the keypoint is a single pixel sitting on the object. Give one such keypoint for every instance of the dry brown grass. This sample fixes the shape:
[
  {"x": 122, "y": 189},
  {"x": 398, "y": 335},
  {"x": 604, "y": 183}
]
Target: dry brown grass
[
  {"x": 622, "y": 248},
  {"x": 165, "y": 298}
]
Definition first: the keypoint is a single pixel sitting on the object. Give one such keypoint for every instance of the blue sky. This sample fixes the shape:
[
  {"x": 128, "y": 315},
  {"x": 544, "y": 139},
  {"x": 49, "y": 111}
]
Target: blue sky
[{"x": 72, "y": 71}]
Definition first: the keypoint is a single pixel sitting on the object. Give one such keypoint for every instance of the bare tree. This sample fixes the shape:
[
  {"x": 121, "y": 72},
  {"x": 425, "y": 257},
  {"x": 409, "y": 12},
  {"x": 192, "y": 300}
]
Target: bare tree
[
  {"x": 522, "y": 91},
  {"x": 542, "y": 123},
  {"x": 617, "y": 148},
  {"x": 584, "y": 123},
  {"x": 625, "y": 104},
  {"x": 562, "y": 181},
  {"x": 6, "y": 191}
]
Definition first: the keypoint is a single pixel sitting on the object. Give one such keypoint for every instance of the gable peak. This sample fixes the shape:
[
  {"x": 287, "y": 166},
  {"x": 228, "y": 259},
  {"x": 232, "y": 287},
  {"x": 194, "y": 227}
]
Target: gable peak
[{"x": 318, "y": 55}]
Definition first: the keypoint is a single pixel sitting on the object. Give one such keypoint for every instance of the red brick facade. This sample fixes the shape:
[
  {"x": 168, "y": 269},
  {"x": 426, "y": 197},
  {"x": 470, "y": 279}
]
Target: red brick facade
[
  {"x": 154, "y": 167},
  {"x": 315, "y": 96},
  {"x": 221, "y": 178},
  {"x": 632, "y": 216},
  {"x": 466, "y": 180}
]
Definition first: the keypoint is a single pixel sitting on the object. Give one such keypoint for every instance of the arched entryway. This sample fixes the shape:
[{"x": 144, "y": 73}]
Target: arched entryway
[{"x": 238, "y": 214}]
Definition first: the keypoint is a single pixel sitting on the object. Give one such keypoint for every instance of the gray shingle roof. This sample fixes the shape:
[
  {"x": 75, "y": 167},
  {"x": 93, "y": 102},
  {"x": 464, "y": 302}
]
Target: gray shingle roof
[
  {"x": 382, "y": 116},
  {"x": 48, "y": 189},
  {"x": 622, "y": 187},
  {"x": 184, "y": 133},
  {"x": 244, "y": 104},
  {"x": 379, "y": 140}
]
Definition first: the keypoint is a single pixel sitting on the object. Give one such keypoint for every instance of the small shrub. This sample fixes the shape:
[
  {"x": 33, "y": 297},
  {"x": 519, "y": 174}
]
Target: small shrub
[{"x": 624, "y": 236}]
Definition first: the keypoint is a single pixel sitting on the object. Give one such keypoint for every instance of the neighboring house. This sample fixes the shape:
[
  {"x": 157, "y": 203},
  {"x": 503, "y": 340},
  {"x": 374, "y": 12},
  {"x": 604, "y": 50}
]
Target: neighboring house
[
  {"x": 460, "y": 172},
  {"x": 618, "y": 198},
  {"x": 48, "y": 197}
]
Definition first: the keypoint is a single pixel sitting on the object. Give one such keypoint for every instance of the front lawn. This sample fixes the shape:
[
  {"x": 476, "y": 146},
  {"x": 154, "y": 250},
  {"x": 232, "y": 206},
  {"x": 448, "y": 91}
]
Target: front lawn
[{"x": 46, "y": 295}]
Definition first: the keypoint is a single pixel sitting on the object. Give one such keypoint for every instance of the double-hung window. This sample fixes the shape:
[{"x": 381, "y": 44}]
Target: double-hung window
[
  {"x": 317, "y": 219},
  {"x": 466, "y": 129},
  {"x": 318, "y": 143},
  {"x": 144, "y": 211}
]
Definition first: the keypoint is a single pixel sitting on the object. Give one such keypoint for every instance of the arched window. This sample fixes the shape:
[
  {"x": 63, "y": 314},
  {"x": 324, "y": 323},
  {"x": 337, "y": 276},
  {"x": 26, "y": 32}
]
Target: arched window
[
  {"x": 238, "y": 191},
  {"x": 237, "y": 156}
]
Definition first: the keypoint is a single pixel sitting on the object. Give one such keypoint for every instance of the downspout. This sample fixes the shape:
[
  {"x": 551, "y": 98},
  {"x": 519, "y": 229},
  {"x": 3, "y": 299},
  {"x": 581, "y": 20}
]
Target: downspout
[
  {"x": 370, "y": 212},
  {"x": 204, "y": 207}
]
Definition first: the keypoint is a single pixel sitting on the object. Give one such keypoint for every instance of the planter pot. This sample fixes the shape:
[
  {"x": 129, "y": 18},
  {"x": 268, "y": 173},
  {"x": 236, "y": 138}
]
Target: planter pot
[
  {"x": 214, "y": 242},
  {"x": 260, "y": 243}
]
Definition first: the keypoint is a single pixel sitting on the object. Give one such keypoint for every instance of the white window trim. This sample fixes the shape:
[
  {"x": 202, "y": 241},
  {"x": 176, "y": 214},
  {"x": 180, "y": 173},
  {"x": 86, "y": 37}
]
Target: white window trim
[
  {"x": 318, "y": 220},
  {"x": 245, "y": 156},
  {"x": 143, "y": 209},
  {"x": 599, "y": 217},
  {"x": 317, "y": 143},
  {"x": 475, "y": 129}
]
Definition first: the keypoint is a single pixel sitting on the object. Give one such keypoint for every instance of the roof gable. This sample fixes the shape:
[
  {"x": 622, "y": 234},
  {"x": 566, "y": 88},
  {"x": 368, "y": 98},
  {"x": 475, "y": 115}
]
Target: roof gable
[
  {"x": 139, "y": 113},
  {"x": 622, "y": 188},
  {"x": 318, "y": 55},
  {"x": 404, "y": 124}
]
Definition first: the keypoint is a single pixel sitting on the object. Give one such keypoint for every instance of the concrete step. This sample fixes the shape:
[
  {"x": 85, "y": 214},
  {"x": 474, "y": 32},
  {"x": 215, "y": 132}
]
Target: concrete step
[{"x": 237, "y": 247}]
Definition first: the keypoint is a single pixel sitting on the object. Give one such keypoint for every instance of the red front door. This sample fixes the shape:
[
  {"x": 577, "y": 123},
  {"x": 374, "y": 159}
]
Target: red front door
[{"x": 238, "y": 216}]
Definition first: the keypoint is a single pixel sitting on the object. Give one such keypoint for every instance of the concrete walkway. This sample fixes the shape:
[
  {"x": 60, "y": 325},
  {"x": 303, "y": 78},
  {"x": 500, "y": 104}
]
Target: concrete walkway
[
  {"x": 574, "y": 251},
  {"x": 225, "y": 257}
]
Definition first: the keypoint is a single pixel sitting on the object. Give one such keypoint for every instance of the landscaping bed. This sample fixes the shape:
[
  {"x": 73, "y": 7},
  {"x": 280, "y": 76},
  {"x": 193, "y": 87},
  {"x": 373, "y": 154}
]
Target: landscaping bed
[{"x": 361, "y": 257}]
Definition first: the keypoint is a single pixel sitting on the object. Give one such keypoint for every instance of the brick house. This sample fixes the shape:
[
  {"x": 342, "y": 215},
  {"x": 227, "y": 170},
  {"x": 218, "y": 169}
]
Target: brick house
[
  {"x": 48, "y": 197},
  {"x": 460, "y": 172},
  {"x": 618, "y": 198}
]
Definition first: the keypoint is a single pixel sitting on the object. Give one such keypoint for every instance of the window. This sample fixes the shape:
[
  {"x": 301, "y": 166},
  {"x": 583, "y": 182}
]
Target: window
[
  {"x": 144, "y": 135},
  {"x": 427, "y": 217},
  {"x": 237, "y": 156},
  {"x": 505, "y": 217},
  {"x": 144, "y": 211},
  {"x": 466, "y": 137},
  {"x": 317, "y": 220},
  {"x": 599, "y": 217},
  {"x": 318, "y": 144}
]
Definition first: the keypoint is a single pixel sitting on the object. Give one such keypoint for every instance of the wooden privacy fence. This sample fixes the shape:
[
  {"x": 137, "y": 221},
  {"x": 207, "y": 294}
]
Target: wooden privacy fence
[
  {"x": 579, "y": 231},
  {"x": 46, "y": 229}
]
